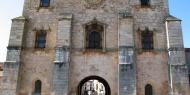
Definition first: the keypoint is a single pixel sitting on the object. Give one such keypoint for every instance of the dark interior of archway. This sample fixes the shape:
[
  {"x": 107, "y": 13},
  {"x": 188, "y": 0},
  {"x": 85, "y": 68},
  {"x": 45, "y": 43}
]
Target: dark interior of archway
[{"x": 93, "y": 86}]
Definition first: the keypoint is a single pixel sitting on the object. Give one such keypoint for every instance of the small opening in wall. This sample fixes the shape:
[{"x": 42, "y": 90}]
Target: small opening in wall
[
  {"x": 44, "y": 3},
  {"x": 38, "y": 87},
  {"x": 148, "y": 90},
  {"x": 145, "y": 3}
]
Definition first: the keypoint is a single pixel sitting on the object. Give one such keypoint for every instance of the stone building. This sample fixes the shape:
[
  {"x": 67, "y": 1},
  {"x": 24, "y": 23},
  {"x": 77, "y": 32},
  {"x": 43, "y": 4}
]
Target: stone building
[
  {"x": 187, "y": 53},
  {"x": 1, "y": 75},
  {"x": 132, "y": 47},
  {"x": 1, "y": 71}
]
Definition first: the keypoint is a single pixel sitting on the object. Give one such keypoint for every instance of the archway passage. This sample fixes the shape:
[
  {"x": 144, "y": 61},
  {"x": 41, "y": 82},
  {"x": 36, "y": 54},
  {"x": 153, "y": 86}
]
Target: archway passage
[{"x": 93, "y": 85}]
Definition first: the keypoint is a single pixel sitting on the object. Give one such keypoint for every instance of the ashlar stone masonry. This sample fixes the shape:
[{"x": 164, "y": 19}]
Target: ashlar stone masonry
[{"x": 131, "y": 47}]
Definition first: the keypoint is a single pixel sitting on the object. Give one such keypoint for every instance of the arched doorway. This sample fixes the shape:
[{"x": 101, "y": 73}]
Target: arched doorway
[{"x": 93, "y": 85}]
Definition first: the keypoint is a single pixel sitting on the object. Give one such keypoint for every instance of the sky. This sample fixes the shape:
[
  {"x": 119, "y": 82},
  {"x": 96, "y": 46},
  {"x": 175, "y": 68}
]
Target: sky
[{"x": 10, "y": 9}]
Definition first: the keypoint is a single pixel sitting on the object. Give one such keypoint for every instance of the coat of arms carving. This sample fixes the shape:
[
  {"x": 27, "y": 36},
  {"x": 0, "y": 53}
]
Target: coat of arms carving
[{"x": 93, "y": 3}]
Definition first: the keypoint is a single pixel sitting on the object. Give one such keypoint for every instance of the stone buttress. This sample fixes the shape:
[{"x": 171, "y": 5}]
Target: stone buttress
[
  {"x": 62, "y": 56},
  {"x": 177, "y": 66},
  {"x": 12, "y": 64},
  {"x": 127, "y": 67}
]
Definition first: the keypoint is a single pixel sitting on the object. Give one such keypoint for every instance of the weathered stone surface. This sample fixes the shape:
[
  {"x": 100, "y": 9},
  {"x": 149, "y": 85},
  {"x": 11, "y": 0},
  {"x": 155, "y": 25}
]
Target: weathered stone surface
[
  {"x": 10, "y": 78},
  {"x": 187, "y": 54},
  {"x": 17, "y": 30},
  {"x": 60, "y": 78},
  {"x": 123, "y": 20}
]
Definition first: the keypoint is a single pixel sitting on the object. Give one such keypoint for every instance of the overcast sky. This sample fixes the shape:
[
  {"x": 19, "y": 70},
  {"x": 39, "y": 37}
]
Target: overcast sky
[{"x": 13, "y": 8}]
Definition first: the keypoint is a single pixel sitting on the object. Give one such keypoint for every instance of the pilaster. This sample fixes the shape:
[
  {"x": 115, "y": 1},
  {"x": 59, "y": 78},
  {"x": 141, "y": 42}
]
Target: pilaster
[
  {"x": 178, "y": 72},
  {"x": 62, "y": 56},
  {"x": 12, "y": 64},
  {"x": 127, "y": 68}
]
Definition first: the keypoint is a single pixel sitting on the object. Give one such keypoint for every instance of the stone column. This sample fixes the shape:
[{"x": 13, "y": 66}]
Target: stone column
[
  {"x": 12, "y": 64},
  {"x": 127, "y": 68},
  {"x": 178, "y": 72},
  {"x": 61, "y": 66}
]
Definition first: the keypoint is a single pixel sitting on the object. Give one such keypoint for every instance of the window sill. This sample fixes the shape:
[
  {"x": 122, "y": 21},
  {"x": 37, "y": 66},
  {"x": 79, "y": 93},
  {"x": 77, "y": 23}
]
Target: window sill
[
  {"x": 39, "y": 49},
  {"x": 94, "y": 50},
  {"x": 143, "y": 7},
  {"x": 43, "y": 8}
]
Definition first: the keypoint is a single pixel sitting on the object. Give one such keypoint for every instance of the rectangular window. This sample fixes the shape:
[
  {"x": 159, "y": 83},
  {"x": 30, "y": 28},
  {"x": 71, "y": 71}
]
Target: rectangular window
[
  {"x": 40, "y": 39},
  {"x": 147, "y": 40},
  {"x": 44, "y": 3},
  {"x": 94, "y": 33},
  {"x": 145, "y": 2}
]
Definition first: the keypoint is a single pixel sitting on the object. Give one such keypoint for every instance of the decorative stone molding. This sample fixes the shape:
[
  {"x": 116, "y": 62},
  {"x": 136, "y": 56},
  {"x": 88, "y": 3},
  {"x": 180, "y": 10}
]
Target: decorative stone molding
[
  {"x": 124, "y": 14},
  {"x": 39, "y": 27}
]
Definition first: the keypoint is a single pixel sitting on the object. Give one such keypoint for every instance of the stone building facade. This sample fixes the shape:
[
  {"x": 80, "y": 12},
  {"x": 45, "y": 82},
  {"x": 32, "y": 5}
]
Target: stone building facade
[
  {"x": 187, "y": 54},
  {"x": 132, "y": 47}
]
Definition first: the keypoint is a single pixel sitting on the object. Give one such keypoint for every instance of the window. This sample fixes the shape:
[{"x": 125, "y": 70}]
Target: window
[
  {"x": 44, "y": 3},
  {"x": 94, "y": 33},
  {"x": 94, "y": 40},
  {"x": 38, "y": 85},
  {"x": 145, "y": 2},
  {"x": 148, "y": 89},
  {"x": 40, "y": 39},
  {"x": 147, "y": 40}
]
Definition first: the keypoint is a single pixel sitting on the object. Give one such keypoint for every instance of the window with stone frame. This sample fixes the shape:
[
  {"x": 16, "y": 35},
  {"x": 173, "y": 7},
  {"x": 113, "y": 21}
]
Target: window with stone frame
[
  {"x": 94, "y": 32},
  {"x": 38, "y": 87},
  {"x": 148, "y": 89},
  {"x": 145, "y": 2},
  {"x": 40, "y": 39},
  {"x": 44, "y": 3},
  {"x": 147, "y": 40}
]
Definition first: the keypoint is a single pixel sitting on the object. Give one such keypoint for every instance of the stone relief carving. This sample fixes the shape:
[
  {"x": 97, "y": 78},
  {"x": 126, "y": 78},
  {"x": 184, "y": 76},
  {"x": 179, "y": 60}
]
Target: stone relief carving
[{"x": 93, "y": 3}]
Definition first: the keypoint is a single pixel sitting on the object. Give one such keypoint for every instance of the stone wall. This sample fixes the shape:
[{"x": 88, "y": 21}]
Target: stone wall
[
  {"x": 187, "y": 53},
  {"x": 1, "y": 75},
  {"x": 11, "y": 72},
  {"x": 178, "y": 70},
  {"x": 84, "y": 63},
  {"x": 65, "y": 61}
]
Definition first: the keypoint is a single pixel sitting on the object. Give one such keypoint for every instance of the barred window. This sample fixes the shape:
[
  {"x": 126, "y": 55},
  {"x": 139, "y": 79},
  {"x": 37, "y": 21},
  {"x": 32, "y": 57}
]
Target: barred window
[
  {"x": 147, "y": 40},
  {"x": 148, "y": 89},
  {"x": 40, "y": 39},
  {"x": 38, "y": 85},
  {"x": 44, "y": 3},
  {"x": 145, "y": 2}
]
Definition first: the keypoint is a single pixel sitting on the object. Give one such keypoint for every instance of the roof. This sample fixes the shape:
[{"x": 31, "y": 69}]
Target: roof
[{"x": 172, "y": 18}]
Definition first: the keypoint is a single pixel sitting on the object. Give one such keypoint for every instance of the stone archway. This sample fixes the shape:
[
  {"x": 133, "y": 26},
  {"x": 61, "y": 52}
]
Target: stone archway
[{"x": 92, "y": 85}]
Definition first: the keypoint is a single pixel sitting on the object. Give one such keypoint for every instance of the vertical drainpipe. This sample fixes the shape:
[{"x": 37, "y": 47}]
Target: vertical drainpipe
[{"x": 169, "y": 60}]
